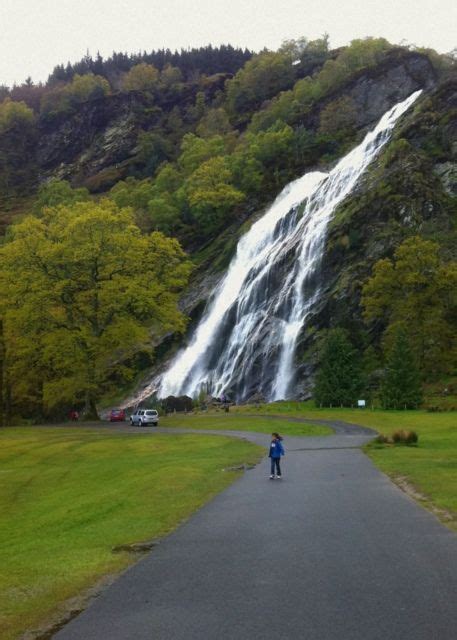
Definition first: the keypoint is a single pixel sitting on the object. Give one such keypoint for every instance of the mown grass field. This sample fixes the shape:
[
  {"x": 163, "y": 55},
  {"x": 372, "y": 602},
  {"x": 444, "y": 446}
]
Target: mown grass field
[
  {"x": 234, "y": 420},
  {"x": 431, "y": 467},
  {"x": 69, "y": 495}
]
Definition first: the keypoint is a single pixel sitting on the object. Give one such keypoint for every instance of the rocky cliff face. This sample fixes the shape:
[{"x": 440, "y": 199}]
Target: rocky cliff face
[
  {"x": 374, "y": 90},
  {"x": 100, "y": 136},
  {"x": 95, "y": 145},
  {"x": 410, "y": 189}
]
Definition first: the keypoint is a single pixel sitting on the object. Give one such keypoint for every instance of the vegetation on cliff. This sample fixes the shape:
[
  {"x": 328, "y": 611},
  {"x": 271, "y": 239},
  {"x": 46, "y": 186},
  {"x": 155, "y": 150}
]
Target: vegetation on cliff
[{"x": 194, "y": 143}]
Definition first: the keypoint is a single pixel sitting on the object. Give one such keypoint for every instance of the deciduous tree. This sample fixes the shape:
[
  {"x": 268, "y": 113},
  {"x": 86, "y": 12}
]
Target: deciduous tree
[
  {"x": 88, "y": 290},
  {"x": 141, "y": 77},
  {"x": 418, "y": 291}
]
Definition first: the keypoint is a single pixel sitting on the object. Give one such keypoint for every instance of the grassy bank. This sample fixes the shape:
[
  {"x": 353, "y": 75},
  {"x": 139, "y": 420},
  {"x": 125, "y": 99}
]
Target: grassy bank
[
  {"x": 430, "y": 469},
  {"x": 237, "y": 421},
  {"x": 69, "y": 495}
]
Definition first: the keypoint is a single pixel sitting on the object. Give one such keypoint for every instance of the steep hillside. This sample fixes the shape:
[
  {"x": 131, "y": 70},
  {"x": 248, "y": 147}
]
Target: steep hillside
[
  {"x": 410, "y": 190},
  {"x": 198, "y": 147}
]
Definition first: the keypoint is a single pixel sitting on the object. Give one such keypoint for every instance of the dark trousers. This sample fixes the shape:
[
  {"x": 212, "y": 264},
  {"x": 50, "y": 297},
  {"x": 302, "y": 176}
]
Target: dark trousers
[{"x": 275, "y": 463}]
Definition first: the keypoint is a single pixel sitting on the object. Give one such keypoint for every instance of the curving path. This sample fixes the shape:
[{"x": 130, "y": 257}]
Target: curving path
[{"x": 333, "y": 551}]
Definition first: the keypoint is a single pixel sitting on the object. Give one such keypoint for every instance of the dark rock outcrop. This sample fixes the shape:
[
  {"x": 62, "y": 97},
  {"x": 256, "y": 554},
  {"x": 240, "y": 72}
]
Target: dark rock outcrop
[
  {"x": 375, "y": 90},
  {"x": 101, "y": 134},
  {"x": 410, "y": 189}
]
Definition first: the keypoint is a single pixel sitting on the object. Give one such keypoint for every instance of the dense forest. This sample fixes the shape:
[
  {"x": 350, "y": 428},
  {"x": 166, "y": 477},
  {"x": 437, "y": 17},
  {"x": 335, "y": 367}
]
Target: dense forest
[{"x": 122, "y": 178}]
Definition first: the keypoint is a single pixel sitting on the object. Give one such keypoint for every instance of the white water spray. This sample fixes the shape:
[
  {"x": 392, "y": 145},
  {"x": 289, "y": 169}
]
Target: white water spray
[{"x": 247, "y": 337}]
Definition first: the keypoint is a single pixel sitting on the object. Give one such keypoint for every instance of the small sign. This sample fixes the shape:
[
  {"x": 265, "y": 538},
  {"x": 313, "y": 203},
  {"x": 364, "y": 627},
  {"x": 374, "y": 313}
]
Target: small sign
[{"x": 361, "y": 403}]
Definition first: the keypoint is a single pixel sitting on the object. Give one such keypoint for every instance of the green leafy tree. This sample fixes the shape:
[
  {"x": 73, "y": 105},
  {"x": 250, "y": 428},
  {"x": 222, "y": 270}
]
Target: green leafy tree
[
  {"x": 153, "y": 150},
  {"x": 89, "y": 291},
  {"x": 168, "y": 179},
  {"x": 132, "y": 193},
  {"x": 164, "y": 215},
  {"x": 271, "y": 145},
  {"x": 87, "y": 87},
  {"x": 401, "y": 388},
  {"x": 18, "y": 135},
  {"x": 174, "y": 125},
  {"x": 195, "y": 112},
  {"x": 339, "y": 117},
  {"x": 211, "y": 195},
  {"x": 65, "y": 98},
  {"x": 291, "y": 105},
  {"x": 338, "y": 379},
  {"x": 371, "y": 368},
  {"x": 214, "y": 122},
  {"x": 141, "y": 77},
  {"x": 248, "y": 171},
  {"x": 196, "y": 150},
  {"x": 13, "y": 114},
  {"x": 418, "y": 291},
  {"x": 261, "y": 78},
  {"x": 171, "y": 83},
  {"x": 364, "y": 52},
  {"x": 273, "y": 150},
  {"x": 56, "y": 192},
  {"x": 2, "y": 373},
  {"x": 309, "y": 53}
]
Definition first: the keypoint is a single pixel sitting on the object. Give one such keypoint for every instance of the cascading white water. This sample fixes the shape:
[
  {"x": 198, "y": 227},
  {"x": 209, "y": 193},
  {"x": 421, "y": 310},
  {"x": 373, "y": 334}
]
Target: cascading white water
[{"x": 246, "y": 339}]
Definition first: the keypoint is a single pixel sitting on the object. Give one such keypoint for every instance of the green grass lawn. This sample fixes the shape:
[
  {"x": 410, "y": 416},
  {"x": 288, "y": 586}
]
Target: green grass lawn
[
  {"x": 239, "y": 422},
  {"x": 69, "y": 495},
  {"x": 431, "y": 467}
]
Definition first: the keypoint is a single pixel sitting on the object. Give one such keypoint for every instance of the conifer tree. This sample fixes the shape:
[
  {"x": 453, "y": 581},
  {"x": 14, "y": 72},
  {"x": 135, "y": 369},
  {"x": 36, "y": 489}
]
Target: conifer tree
[
  {"x": 401, "y": 388},
  {"x": 338, "y": 381}
]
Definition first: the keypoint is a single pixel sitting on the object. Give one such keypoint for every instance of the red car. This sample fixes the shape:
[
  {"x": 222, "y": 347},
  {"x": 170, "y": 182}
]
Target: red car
[{"x": 117, "y": 415}]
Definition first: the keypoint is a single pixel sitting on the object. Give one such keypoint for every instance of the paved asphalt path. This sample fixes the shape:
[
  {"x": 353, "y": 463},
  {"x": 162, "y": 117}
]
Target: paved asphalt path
[{"x": 333, "y": 551}]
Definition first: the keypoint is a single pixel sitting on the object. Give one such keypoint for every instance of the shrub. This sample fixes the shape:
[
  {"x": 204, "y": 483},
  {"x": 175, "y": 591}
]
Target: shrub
[
  {"x": 405, "y": 437},
  {"x": 402, "y": 437},
  {"x": 411, "y": 437}
]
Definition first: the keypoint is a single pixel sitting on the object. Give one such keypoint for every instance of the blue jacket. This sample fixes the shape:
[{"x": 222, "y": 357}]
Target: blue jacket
[{"x": 276, "y": 449}]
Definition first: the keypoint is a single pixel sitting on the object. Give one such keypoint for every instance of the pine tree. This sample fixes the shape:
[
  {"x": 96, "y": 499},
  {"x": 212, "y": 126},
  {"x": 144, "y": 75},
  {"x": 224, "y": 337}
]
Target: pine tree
[
  {"x": 401, "y": 388},
  {"x": 338, "y": 381}
]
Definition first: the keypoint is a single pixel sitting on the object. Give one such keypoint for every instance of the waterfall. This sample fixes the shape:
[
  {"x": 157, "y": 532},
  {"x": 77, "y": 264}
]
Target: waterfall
[{"x": 246, "y": 339}]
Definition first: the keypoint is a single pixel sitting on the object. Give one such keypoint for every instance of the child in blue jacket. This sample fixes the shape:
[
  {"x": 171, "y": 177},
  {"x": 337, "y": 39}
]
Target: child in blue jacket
[{"x": 276, "y": 451}]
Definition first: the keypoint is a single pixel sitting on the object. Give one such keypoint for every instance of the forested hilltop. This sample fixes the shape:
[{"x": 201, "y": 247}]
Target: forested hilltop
[{"x": 114, "y": 168}]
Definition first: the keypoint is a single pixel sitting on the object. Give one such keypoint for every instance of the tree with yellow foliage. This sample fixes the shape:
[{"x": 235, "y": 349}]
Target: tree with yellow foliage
[
  {"x": 82, "y": 291},
  {"x": 416, "y": 292},
  {"x": 141, "y": 77}
]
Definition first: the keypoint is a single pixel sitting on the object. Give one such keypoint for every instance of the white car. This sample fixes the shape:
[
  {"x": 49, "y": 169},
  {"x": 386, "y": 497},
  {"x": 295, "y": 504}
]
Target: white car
[{"x": 144, "y": 417}]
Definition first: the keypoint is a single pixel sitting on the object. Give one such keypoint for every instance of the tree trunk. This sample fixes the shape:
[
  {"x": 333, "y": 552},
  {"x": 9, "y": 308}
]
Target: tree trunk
[{"x": 90, "y": 409}]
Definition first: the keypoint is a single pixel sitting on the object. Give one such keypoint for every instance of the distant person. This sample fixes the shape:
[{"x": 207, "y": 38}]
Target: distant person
[
  {"x": 74, "y": 415},
  {"x": 276, "y": 451}
]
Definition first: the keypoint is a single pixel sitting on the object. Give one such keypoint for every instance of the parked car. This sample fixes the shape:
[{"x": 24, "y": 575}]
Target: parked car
[
  {"x": 117, "y": 415},
  {"x": 143, "y": 417}
]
